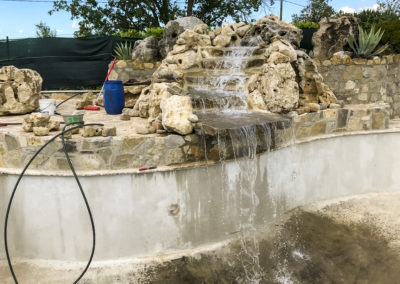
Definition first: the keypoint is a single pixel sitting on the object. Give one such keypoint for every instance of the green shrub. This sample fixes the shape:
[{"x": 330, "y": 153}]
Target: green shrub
[
  {"x": 156, "y": 32},
  {"x": 306, "y": 25},
  {"x": 391, "y": 35},
  {"x": 131, "y": 34},
  {"x": 367, "y": 42},
  {"x": 123, "y": 51}
]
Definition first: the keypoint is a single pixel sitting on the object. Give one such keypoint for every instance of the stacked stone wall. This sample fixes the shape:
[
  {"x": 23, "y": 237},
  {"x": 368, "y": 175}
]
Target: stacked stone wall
[
  {"x": 133, "y": 70},
  {"x": 362, "y": 81}
]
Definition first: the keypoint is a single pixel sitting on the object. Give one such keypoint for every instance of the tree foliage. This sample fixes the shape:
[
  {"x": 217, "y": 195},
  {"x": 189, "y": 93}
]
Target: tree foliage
[
  {"x": 314, "y": 11},
  {"x": 106, "y": 17},
  {"x": 42, "y": 30}
]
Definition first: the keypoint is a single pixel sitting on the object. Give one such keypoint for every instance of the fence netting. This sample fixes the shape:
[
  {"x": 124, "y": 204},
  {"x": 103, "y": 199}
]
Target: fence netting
[
  {"x": 73, "y": 63},
  {"x": 63, "y": 63}
]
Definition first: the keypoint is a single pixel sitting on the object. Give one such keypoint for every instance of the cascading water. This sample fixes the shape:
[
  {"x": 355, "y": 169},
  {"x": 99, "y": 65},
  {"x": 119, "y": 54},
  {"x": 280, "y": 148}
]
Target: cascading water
[
  {"x": 222, "y": 85},
  {"x": 220, "y": 95}
]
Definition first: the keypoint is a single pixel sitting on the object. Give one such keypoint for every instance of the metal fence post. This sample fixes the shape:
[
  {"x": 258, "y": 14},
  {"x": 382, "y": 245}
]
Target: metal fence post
[{"x": 8, "y": 48}]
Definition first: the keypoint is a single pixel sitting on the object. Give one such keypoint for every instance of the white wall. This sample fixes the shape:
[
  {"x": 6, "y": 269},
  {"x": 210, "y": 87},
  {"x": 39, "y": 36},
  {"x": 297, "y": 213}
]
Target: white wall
[{"x": 131, "y": 211}]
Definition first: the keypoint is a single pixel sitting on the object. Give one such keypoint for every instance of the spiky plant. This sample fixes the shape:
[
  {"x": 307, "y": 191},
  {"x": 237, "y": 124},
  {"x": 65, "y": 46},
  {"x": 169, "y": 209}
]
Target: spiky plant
[
  {"x": 123, "y": 51},
  {"x": 367, "y": 43}
]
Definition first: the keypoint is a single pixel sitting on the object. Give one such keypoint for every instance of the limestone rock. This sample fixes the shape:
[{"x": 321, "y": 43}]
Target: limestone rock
[
  {"x": 313, "y": 107},
  {"x": 146, "y": 50},
  {"x": 19, "y": 90},
  {"x": 132, "y": 94},
  {"x": 145, "y": 129},
  {"x": 41, "y": 131},
  {"x": 283, "y": 47},
  {"x": 173, "y": 29},
  {"x": 193, "y": 39},
  {"x": 268, "y": 27},
  {"x": 277, "y": 86},
  {"x": 222, "y": 41},
  {"x": 54, "y": 125},
  {"x": 167, "y": 73},
  {"x": 109, "y": 131},
  {"x": 200, "y": 29},
  {"x": 175, "y": 114},
  {"x": 27, "y": 126},
  {"x": 124, "y": 117},
  {"x": 255, "y": 101},
  {"x": 193, "y": 118},
  {"x": 38, "y": 119},
  {"x": 150, "y": 101},
  {"x": 91, "y": 131},
  {"x": 312, "y": 87},
  {"x": 86, "y": 100},
  {"x": 186, "y": 60},
  {"x": 332, "y": 35}
]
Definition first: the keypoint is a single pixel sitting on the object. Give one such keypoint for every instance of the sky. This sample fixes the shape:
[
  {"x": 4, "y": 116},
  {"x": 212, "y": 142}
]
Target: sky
[{"x": 18, "y": 17}]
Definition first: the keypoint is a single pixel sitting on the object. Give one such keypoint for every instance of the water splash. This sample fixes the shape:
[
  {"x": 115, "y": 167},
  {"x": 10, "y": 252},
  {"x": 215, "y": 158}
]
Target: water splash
[{"x": 223, "y": 85}]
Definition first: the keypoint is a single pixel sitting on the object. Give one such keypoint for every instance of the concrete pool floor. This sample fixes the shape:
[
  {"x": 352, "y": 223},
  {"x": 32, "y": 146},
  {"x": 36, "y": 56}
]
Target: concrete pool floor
[{"x": 348, "y": 240}]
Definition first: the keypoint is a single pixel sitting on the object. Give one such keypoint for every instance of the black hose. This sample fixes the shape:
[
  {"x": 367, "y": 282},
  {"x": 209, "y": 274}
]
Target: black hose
[
  {"x": 66, "y": 100},
  {"x": 80, "y": 187}
]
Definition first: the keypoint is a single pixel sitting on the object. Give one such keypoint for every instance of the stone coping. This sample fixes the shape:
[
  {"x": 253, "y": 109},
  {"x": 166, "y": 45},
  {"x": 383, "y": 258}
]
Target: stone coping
[
  {"x": 130, "y": 151},
  {"x": 338, "y": 60},
  {"x": 394, "y": 128}
]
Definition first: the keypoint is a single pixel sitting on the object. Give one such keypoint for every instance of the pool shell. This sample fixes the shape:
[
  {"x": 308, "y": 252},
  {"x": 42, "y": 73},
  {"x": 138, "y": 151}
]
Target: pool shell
[{"x": 140, "y": 216}]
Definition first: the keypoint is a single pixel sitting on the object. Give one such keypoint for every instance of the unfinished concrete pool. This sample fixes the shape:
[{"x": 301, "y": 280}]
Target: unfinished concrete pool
[{"x": 209, "y": 221}]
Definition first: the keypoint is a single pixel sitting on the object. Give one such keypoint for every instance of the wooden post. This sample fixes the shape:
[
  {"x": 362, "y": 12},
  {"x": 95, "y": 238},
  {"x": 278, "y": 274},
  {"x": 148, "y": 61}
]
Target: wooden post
[{"x": 280, "y": 16}]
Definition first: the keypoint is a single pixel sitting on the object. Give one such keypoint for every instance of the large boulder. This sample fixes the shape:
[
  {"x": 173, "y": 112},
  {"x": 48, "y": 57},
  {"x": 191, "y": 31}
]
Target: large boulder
[
  {"x": 277, "y": 85},
  {"x": 173, "y": 29},
  {"x": 268, "y": 27},
  {"x": 275, "y": 88},
  {"x": 176, "y": 112},
  {"x": 146, "y": 50},
  {"x": 333, "y": 34},
  {"x": 19, "y": 90}
]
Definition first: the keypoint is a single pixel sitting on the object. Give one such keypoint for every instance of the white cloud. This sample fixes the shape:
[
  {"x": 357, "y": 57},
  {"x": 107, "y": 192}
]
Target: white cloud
[
  {"x": 59, "y": 31},
  {"x": 21, "y": 31},
  {"x": 75, "y": 25},
  {"x": 347, "y": 9},
  {"x": 374, "y": 7}
]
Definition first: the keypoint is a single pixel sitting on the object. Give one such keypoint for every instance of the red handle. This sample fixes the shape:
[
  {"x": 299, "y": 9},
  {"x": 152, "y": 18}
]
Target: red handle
[{"x": 112, "y": 66}]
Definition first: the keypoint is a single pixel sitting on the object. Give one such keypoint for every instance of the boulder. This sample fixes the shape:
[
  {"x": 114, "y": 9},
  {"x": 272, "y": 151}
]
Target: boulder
[
  {"x": 332, "y": 35},
  {"x": 277, "y": 85},
  {"x": 173, "y": 29},
  {"x": 146, "y": 50},
  {"x": 19, "y": 90},
  {"x": 268, "y": 27},
  {"x": 176, "y": 111}
]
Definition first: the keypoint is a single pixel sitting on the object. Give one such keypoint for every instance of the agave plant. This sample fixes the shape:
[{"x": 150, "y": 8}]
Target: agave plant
[
  {"x": 367, "y": 43},
  {"x": 123, "y": 51}
]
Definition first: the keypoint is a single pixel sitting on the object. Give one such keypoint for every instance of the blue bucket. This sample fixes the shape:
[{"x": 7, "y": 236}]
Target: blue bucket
[{"x": 114, "y": 98}]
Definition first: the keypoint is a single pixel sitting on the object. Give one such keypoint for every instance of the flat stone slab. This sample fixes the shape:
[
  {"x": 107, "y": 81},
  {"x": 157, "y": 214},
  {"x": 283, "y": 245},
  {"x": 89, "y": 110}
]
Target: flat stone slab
[{"x": 237, "y": 119}]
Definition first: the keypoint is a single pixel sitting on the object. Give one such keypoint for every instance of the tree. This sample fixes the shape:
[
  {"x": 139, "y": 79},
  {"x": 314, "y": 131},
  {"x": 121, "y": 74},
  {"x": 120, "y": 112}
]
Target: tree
[
  {"x": 106, "y": 17},
  {"x": 42, "y": 30},
  {"x": 215, "y": 12},
  {"x": 314, "y": 12},
  {"x": 390, "y": 6}
]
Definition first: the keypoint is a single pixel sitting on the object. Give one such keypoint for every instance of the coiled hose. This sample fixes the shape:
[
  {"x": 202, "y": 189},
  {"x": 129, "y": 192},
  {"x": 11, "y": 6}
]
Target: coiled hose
[{"x": 65, "y": 130}]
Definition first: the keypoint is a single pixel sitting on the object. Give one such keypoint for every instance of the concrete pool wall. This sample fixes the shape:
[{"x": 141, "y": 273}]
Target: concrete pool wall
[{"x": 148, "y": 214}]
